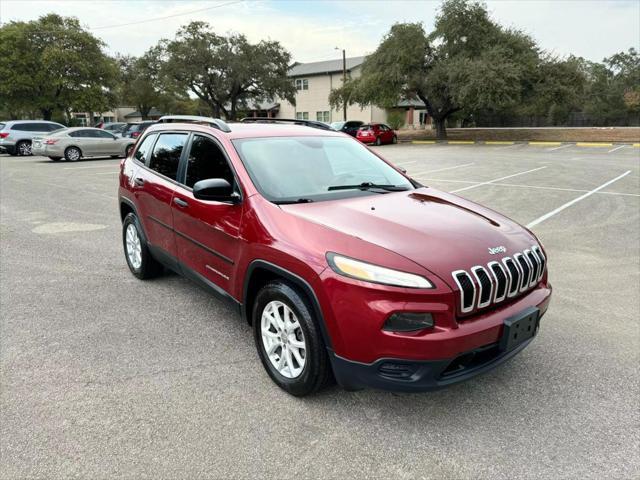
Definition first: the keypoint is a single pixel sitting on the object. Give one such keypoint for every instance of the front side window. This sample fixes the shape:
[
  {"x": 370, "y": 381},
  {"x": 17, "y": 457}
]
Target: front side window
[
  {"x": 166, "y": 154},
  {"x": 142, "y": 154},
  {"x": 323, "y": 116},
  {"x": 206, "y": 160},
  {"x": 103, "y": 134},
  {"x": 290, "y": 169},
  {"x": 302, "y": 115}
]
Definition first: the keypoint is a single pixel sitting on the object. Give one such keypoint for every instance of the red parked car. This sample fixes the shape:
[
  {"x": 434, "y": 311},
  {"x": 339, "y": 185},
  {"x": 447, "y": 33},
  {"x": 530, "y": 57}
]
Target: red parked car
[
  {"x": 342, "y": 264},
  {"x": 376, "y": 133}
]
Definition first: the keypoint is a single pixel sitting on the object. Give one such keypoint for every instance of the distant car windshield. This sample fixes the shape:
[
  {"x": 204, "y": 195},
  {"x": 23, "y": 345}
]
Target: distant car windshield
[
  {"x": 337, "y": 125},
  {"x": 305, "y": 169}
]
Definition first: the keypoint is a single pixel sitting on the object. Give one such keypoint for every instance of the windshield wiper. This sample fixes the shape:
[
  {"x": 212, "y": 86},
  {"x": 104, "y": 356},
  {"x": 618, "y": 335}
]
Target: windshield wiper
[
  {"x": 288, "y": 202},
  {"x": 368, "y": 186}
]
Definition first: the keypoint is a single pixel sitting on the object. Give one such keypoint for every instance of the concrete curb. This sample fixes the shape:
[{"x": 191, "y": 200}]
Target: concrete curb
[{"x": 517, "y": 142}]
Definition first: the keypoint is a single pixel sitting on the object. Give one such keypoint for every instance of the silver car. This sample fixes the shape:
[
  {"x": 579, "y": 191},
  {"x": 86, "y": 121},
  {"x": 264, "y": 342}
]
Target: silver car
[
  {"x": 16, "y": 136},
  {"x": 75, "y": 143}
]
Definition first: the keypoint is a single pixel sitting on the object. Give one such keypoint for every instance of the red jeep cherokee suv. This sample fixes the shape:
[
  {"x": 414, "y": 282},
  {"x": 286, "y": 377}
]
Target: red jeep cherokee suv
[{"x": 342, "y": 264}]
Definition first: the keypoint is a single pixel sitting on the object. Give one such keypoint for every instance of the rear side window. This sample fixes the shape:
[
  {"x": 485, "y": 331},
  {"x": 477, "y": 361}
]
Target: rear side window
[
  {"x": 142, "y": 154},
  {"x": 166, "y": 154},
  {"x": 23, "y": 127},
  {"x": 78, "y": 134}
]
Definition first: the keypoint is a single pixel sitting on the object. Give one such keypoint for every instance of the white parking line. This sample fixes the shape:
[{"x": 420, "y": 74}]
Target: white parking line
[
  {"x": 617, "y": 148},
  {"x": 546, "y": 216},
  {"x": 443, "y": 169},
  {"x": 560, "y": 147},
  {"x": 495, "y": 180}
]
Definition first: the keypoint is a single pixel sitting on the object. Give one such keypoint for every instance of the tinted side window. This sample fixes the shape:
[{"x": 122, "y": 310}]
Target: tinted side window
[
  {"x": 52, "y": 127},
  {"x": 79, "y": 134},
  {"x": 103, "y": 134},
  {"x": 166, "y": 154},
  {"x": 23, "y": 127},
  {"x": 142, "y": 154},
  {"x": 206, "y": 160}
]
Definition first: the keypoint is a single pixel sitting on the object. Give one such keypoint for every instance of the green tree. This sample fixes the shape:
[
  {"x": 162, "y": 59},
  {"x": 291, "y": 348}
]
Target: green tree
[
  {"x": 141, "y": 84},
  {"x": 52, "y": 64},
  {"x": 226, "y": 72},
  {"x": 467, "y": 63}
]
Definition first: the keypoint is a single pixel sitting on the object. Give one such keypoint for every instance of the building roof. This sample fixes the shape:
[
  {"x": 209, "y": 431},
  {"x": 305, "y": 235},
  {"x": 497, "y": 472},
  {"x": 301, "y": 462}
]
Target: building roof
[{"x": 328, "y": 66}]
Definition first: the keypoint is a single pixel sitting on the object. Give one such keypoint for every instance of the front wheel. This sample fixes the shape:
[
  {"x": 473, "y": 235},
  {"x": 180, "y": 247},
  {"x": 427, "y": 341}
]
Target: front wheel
[
  {"x": 136, "y": 251},
  {"x": 394, "y": 140},
  {"x": 288, "y": 340}
]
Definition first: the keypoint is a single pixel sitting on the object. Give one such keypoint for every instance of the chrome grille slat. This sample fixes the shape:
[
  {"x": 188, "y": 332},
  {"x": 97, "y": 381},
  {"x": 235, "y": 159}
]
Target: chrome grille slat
[{"x": 499, "y": 280}]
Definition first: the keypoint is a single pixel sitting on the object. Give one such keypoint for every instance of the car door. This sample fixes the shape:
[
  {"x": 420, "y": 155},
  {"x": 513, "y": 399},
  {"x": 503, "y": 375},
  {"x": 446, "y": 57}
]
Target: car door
[
  {"x": 207, "y": 232},
  {"x": 154, "y": 185},
  {"x": 106, "y": 143},
  {"x": 82, "y": 141}
]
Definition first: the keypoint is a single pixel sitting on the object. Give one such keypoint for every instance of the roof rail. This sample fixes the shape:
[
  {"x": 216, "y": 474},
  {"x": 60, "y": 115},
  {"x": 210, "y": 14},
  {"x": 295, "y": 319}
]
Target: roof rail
[
  {"x": 213, "y": 122},
  {"x": 306, "y": 123}
]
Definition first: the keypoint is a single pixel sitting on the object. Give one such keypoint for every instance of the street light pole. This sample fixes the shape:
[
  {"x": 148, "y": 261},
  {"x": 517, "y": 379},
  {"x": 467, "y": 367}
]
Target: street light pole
[{"x": 344, "y": 81}]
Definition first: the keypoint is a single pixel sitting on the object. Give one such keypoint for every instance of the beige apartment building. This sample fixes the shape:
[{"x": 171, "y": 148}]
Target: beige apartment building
[{"x": 314, "y": 82}]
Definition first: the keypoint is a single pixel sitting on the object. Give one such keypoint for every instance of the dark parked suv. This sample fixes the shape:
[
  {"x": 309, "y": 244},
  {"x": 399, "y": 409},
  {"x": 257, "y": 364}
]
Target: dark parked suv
[
  {"x": 342, "y": 264},
  {"x": 135, "y": 129}
]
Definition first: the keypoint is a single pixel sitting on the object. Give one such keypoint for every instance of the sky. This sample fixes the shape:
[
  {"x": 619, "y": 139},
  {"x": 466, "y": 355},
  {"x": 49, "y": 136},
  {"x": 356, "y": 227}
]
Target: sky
[{"x": 311, "y": 30}]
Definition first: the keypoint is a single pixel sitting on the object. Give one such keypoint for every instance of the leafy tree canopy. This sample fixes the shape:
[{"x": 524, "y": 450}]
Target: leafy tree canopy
[
  {"x": 226, "y": 72},
  {"x": 52, "y": 64}
]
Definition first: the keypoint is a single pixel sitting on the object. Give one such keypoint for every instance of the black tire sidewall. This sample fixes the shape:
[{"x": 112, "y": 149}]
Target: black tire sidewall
[
  {"x": 378, "y": 142},
  {"x": 148, "y": 267},
  {"x": 313, "y": 374}
]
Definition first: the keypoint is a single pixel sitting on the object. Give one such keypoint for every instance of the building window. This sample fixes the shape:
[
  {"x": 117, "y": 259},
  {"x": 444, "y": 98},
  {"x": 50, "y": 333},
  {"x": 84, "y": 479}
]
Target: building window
[
  {"x": 322, "y": 116},
  {"x": 302, "y": 84},
  {"x": 302, "y": 115}
]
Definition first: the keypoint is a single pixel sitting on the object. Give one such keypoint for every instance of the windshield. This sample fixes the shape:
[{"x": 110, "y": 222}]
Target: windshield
[{"x": 293, "y": 169}]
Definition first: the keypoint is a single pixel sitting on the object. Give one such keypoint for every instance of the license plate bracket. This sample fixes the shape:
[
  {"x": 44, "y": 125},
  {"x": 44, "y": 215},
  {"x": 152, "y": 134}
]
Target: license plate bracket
[{"x": 520, "y": 328}]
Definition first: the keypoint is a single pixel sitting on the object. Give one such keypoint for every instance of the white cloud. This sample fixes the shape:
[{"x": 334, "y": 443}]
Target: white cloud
[{"x": 311, "y": 30}]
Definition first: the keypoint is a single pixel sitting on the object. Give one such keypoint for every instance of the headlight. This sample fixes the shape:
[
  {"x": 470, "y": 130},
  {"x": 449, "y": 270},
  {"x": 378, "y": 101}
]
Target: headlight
[{"x": 373, "y": 273}]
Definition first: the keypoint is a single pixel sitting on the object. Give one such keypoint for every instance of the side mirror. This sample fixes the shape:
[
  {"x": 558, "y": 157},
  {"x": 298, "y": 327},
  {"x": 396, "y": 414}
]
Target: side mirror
[{"x": 215, "y": 189}]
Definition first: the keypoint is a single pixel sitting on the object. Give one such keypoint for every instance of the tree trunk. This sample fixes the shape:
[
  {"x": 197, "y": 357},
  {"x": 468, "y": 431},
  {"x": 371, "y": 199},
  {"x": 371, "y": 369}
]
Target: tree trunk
[
  {"x": 144, "y": 111},
  {"x": 232, "y": 112},
  {"x": 441, "y": 127},
  {"x": 46, "y": 113}
]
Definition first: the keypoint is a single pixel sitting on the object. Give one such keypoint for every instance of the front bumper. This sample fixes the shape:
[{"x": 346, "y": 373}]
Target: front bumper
[{"x": 400, "y": 375}]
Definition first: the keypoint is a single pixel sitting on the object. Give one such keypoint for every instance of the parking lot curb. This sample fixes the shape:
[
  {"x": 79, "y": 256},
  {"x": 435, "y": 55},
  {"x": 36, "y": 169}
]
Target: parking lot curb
[{"x": 517, "y": 142}]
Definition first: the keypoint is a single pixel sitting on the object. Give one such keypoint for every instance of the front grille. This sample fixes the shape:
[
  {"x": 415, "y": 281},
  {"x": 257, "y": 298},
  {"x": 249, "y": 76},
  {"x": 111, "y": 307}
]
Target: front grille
[{"x": 499, "y": 280}]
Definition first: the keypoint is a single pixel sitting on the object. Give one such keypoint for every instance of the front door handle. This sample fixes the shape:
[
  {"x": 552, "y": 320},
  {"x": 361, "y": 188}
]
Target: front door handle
[
  {"x": 138, "y": 181},
  {"x": 180, "y": 202}
]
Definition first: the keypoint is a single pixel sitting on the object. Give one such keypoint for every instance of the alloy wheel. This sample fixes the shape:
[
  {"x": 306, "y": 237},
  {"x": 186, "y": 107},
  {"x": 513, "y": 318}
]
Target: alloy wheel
[
  {"x": 73, "y": 154},
  {"x": 24, "y": 148},
  {"x": 134, "y": 249},
  {"x": 283, "y": 339}
]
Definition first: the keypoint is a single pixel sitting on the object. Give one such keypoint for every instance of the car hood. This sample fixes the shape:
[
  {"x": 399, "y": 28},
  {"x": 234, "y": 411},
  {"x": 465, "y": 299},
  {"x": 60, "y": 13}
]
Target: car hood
[{"x": 439, "y": 231}]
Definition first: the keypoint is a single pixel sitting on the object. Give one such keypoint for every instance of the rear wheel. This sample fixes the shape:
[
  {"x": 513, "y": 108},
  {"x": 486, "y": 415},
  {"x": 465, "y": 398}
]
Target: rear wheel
[
  {"x": 23, "y": 148},
  {"x": 72, "y": 154},
  {"x": 55, "y": 159},
  {"x": 394, "y": 140},
  {"x": 136, "y": 251},
  {"x": 288, "y": 339},
  {"x": 378, "y": 141}
]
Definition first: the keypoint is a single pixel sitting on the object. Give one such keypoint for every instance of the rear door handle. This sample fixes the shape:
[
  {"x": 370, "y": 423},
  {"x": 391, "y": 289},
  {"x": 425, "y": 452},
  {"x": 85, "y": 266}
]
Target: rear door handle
[
  {"x": 180, "y": 202},
  {"x": 138, "y": 181}
]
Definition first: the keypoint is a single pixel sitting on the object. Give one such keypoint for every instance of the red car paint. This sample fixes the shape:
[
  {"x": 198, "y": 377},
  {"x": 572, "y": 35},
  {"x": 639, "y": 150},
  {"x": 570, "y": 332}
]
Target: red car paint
[
  {"x": 377, "y": 133},
  {"x": 423, "y": 231}
]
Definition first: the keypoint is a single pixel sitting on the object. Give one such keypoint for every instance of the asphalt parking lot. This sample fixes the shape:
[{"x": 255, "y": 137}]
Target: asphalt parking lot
[{"x": 104, "y": 376}]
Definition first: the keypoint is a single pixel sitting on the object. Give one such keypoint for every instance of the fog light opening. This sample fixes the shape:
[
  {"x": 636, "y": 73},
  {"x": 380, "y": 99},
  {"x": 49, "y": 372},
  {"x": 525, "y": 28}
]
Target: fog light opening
[{"x": 408, "y": 322}]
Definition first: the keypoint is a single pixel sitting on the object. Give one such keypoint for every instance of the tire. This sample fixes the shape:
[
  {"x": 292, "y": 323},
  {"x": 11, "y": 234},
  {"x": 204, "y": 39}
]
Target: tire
[
  {"x": 114, "y": 156},
  {"x": 142, "y": 264},
  {"x": 378, "y": 142},
  {"x": 72, "y": 154},
  {"x": 294, "y": 378},
  {"x": 55, "y": 159},
  {"x": 394, "y": 140},
  {"x": 23, "y": 148}
]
